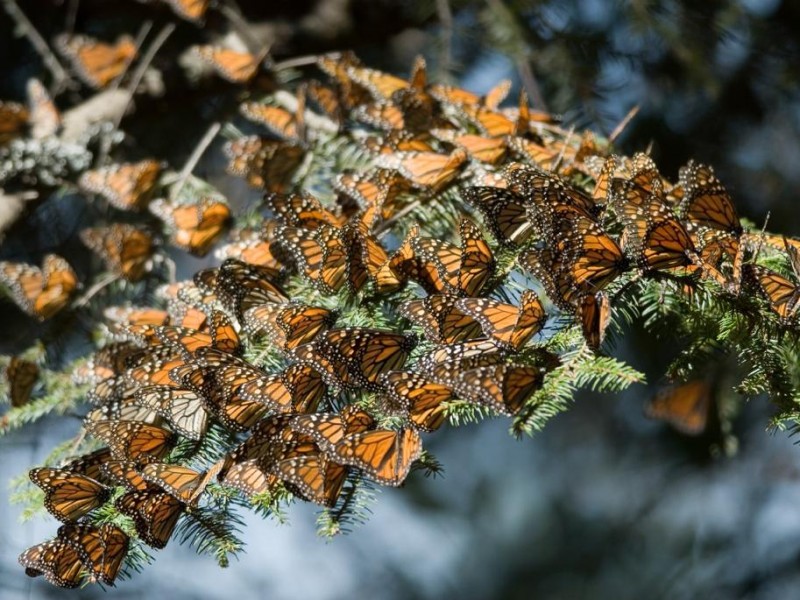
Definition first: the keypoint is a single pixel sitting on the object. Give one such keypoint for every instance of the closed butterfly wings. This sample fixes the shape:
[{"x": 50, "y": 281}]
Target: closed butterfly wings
[
  {"x": 684, "y": 406},
  {"x": 507, "y": 324},
  {"x": 68, "y": 495},
  {"x": 98, "y": 64},
  {"x": 195, "y": 227},
  {"x": 126, "y": 186},
  {"x": 40, "y": 292},
  {"x": 236, "y": 67},
  {"x": 124, "y": 248}
]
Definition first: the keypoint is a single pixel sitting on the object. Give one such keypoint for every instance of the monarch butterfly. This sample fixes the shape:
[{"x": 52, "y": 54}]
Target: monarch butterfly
[
  {"x": 297, "y": 389},
  {"x": 329, "y": 429},
  {"x": 336, "y": 65},
  {"x": 384, "y": 455},
  {"x": 444, "y": 364},
  {"x": 488, "y": 121},
  {"x": 191, "y": 10},
  {"x": 196, "y": 227},
  {"x": 505, "y": 213},
  {"x": 69, "y": 496},
  {"x": 22, "y": 376},
  {"x": 426, "y": 170},
  {"x": 458, "y": 97},
  {"x": 367, "y": 260},
  {"x": 222, "y": 389},
  {"x": 380, "y": 189},
  {"x": 550, "y": 198},
  {"x": 90, "y": 465},
  {"x": 288, "y": 325},
  {"x": 594, "y": 311},
  {"x": 100, "y": 549},
  {"x": 667, "y": 245},
  {"x": 321, "y": 255},
  {"x": 554, "y": 275},
  {"x": 782, "y": 294},
  {"x": 154, "y": 514},
  {"x": 421, "y": 397},
  {"x": 545, "y": 157},
  {"x": 443, "y": 267},
  {"x": 13, "y": 120},
  {"x": 381, "y": 85},
  {"x": 485, "y": 149},
  {"x": 247, "y": 467},
  {"x": 43, "y": 292},
  {"x": 382, "y": 115},
  {"x": 124, "y": 248},
  {"x": 398, "y": 141},
  {"x": 441, "y": 318},
  {"x": 355, "y": 357},
  {"x": 301, "y": 210},
  {"x": 97, "y": 63},
  {"x": 506, "y": 324},
  {"x": 119, "y": 406},
  {"x": 706, "y": 202},
  {"x": 125, "y": 473},
  {"x": 236, "y": 67},
  {"x": 106, "y": 363},
  {"x": 241, "y": 286},
  {"x": 311, "y": 475},
  {"x": 136, "y": 315},
  {"x": 154, "y": 366},
  {"x": 328, "y": 100},
  {"x": 251, "y": 248},
  {"x": 280, "y": 122},
  {"x": 263, "y": 163},
  {"x": 597, "y": 258},
  {"x": 504, "y": 387},
  {"x": 183, "y": 409},
  {"x": 131, "y": 439},
  {"x": 44, "y": 119},
  {"x": 57, "y": 560},
  {"x": 221, "y": 335},
  {"x": 685, "y": 406},
  {"x": 185, "y": 484},
  {"x": 127, "y": 186}
]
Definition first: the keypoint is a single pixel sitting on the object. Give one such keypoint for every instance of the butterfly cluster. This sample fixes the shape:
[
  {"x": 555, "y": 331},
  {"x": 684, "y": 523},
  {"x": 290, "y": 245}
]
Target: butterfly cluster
[{"x": 343, "y": 323}]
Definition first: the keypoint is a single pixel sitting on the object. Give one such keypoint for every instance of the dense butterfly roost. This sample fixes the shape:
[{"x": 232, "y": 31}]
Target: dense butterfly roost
[{"x": 422, "y": 255}]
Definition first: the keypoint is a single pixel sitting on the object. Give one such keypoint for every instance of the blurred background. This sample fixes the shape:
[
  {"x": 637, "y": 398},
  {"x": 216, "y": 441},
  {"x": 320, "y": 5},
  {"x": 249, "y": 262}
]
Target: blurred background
[{"x": 604, "y": 503}]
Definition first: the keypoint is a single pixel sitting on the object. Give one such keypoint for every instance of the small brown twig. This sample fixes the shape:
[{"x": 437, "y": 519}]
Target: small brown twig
[
  {"x": 446, "y": 36},
  {"x": 60, "y": 75},
  {"x": 530, "y": 83},
  {"x": 299, "y": 61},
  {"x": 72, "y": 15},
  {"x": 144, "y": 31},
  {"x": 623, "y": 124},
  {"x": 194, "y": 158},
  {"x": 144, "y": 64},
  {"x": 136, "y": 79},
  {"x": 95, "y": 289}
]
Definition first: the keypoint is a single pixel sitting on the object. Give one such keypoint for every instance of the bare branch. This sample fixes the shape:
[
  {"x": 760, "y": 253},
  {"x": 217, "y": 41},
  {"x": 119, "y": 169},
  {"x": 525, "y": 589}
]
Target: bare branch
[
  {"x": 60, "y": 75},
  {"x": 191, "y": 163}
]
